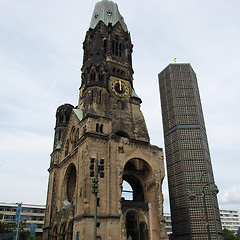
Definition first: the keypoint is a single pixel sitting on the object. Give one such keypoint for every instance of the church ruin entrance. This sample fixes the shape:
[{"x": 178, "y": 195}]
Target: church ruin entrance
[
  {"x": 132, "y": 225},
  {"x": 134, "y": 198},
  {"x": 137, "y": 231}
]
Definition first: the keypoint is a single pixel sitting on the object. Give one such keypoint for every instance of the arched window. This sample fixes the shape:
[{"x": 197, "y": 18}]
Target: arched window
[
  {"x": 143, "y": 231},
  {"x": 61, "y": 118},
  {"x": 70, "y": 182},
  {"x": 59, "y": 134},
  {"x": 76, "y": 137},
  {"x": 137, "y": 231},
  {"x": 120, "y": 50},
  {"x": 133, "y": 188},
  {"x": 113, "y": 47},
  {"x": 72, "y": 135},
  {"x": 127, "y": 191},
  {"x": 97, "y": 127},
  {"x": 116, "y": 48},
  {"x": 84, "y": 129},
  {"x": 100, "y": 77},
  {"x": 92, "y": 96},
  {"x": 92, "y": 77},
  {"x": 132, "y": 225},
  {"x": 135, "y": 172},
  {"x": 105, "y": 45},
  {"x": 67, "y": 148},
  {"x": 101, "y": 128}
]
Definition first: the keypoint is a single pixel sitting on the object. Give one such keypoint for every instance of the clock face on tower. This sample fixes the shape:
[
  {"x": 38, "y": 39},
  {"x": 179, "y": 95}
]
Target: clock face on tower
[{"x": 119, "y": 88}]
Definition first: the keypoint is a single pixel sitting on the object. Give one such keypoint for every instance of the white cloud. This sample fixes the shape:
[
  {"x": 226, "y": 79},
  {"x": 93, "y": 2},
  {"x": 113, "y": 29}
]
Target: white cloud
[
  {"x": 19, "y": 141},
  {"x": 230, "y": 198}
]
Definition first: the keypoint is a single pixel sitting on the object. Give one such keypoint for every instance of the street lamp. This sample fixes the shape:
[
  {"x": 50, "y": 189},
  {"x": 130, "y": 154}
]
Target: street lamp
[
  {"x": 214, "y": 190},
  {"x": 96, "y": 170}
]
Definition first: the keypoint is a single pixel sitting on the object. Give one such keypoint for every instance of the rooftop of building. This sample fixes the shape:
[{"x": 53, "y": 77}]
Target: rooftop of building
[{"x": 107, "y": 12}]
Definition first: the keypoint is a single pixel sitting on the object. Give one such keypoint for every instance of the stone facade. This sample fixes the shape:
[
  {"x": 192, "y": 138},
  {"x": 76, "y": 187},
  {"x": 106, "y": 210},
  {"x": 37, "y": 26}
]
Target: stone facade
[{"x": 107, "y": 123}]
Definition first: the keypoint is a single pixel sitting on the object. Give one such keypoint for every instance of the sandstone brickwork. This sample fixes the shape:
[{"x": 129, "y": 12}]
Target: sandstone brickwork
[{"x": 107, "y": 123}]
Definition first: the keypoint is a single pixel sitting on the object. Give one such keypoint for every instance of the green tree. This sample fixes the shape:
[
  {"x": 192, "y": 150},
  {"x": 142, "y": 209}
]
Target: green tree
[
  {"x": 22, "y": 230},
  {"x": 229, "y": 235},
  {"x": 6, "y": 227},
  {"x": 10, "y": 227}
]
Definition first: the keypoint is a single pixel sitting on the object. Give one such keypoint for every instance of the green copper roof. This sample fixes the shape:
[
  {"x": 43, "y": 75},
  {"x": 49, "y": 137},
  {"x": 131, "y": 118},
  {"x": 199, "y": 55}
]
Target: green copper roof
[
  {"x": 107, "y": 11},
  {"x": 134, "y": 94},
  {"x": 58, "y": 147},
  {"x": 79, "y": 113}
]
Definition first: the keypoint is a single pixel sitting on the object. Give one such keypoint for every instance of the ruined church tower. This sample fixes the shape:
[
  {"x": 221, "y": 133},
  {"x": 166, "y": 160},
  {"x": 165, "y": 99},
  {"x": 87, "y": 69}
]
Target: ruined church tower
[{"x": 107, "y": 123}]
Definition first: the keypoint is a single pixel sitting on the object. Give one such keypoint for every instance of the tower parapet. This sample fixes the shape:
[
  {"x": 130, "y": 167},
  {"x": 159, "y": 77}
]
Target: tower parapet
[{"x": 63, "y": 114}]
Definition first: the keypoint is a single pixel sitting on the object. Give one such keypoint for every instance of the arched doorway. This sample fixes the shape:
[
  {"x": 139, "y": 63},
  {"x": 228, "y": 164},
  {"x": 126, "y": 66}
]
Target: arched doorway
[
  {"x": 143, "y": 231},
  {"x": 137, "y": 231},
  {"x": 132, "y": 225},
  {"x": 135, "y": 196}
]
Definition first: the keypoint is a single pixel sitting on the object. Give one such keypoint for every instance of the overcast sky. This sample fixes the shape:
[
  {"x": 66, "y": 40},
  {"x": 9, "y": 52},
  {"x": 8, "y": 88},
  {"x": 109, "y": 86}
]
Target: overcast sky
[{"x": 40, "y": 60}]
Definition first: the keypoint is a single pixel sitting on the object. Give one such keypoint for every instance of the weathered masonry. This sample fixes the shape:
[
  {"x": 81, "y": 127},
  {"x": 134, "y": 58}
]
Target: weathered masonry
[{"x": 108, "y": 122}]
